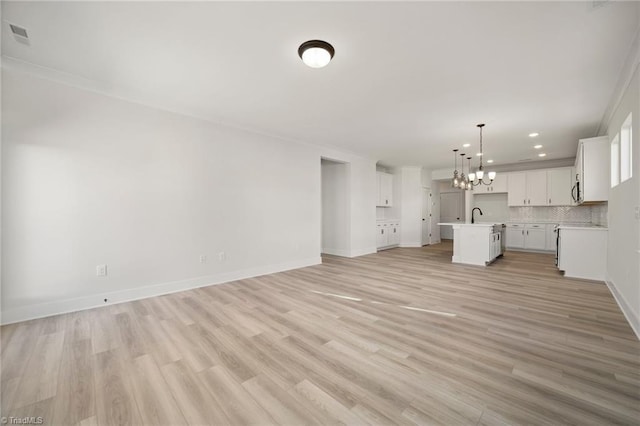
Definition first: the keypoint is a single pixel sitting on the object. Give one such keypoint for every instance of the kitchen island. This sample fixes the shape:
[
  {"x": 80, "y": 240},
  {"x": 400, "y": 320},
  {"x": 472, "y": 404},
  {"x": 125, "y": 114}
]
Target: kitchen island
[{"x": 477, "y": 243}]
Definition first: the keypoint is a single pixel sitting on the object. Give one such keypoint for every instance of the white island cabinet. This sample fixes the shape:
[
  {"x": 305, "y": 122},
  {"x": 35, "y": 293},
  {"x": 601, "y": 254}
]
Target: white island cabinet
[{"x": 477, "y": 243}]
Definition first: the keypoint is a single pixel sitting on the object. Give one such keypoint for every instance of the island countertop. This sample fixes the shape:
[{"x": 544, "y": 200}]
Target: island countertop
[{"x": 471, "y": 224}]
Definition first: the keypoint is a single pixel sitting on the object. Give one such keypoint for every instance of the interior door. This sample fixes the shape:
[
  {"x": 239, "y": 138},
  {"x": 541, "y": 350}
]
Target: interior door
[
  {"x": 451, "y": 211},
  {"x": 426, "y": 216}
]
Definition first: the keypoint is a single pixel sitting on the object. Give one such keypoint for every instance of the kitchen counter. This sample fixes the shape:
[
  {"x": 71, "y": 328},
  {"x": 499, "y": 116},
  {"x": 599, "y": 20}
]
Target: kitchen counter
[
  {"x": 590, "y": 227},
  {"x": 469, "y": 224},
  {"x": 582, "y": 251},
  {"x": 476, "y": 243}
]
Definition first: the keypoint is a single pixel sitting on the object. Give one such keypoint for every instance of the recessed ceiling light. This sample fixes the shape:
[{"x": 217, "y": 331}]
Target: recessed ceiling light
[
  {"x": 533, "y": 135},
  {"x": 479, "y": 154},
  {"x": 466, "y": 145},
  {"x": 542, "y": 154},
  {"x": 316, "y": 53},
  {"x": 537, "y": 146},
  {"x": 489, "y": 161}
]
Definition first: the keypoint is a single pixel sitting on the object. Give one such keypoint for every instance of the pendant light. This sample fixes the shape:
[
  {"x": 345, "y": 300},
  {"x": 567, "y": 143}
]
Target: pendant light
[
  {"x": 455, "y": 181},
  {"x": 479, "y": 174},
  {"x": 463, "y": 178},
  {"x": 469, "y": 185}
]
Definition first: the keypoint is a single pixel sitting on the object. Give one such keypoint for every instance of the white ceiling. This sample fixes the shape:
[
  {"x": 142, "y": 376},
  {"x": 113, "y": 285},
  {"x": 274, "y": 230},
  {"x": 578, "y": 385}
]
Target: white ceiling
[{"x": 408, "y": 83}]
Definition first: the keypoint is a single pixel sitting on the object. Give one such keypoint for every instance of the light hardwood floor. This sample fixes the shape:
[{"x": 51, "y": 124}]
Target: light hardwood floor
[{"x": 398, "y": 337}]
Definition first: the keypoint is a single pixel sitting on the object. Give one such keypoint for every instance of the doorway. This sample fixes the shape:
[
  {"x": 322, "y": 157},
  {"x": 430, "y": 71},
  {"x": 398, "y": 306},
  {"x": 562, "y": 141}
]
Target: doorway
[
  {"x": 335, "y": 207},
  {"x": 451, "y": 211},
  {"x": 427, "y": 225}
]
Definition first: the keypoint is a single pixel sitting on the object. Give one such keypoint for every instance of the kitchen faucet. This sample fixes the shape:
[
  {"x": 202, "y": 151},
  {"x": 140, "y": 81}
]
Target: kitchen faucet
[{"x": 473, "y": 212}]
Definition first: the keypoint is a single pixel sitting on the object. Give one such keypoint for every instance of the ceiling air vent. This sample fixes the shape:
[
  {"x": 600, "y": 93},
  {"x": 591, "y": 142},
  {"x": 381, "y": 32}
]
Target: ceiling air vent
[
  {"x": 20, "y": 34},
  {"x": 18, "y": 31}
]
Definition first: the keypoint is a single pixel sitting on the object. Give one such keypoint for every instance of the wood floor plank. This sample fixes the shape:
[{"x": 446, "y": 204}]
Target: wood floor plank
[
  {"x": 399, "y": 337},
  {"x": 115, "y": 403},
  {"x": 196, "y": 404},
  {"x": 153, "y": 396},
  {"x": 75, "y": 400}
]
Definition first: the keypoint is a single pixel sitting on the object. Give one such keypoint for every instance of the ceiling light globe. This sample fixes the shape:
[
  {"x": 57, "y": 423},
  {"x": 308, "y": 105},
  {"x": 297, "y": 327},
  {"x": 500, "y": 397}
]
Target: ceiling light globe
[
  {"x": 472, "y": 176},
  {"x": 492, "y": 175},
  {"x": 480, "y": 174},
  {"x": 316, "y": 53}
]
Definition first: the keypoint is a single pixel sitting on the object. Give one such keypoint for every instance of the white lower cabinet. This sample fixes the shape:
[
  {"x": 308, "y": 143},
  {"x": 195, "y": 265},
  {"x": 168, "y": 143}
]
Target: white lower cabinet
[
  {"x": 388, "y": 234},
  {"x": 582, "y": 252},
  {"x": 515, "y": 236},
  {"x": 535, "y": 237},
  {"x": 495, "y": 245},
  {"x": 394, "y": 234},
  {"x": 383, "y": 235},
  {"x": 528, "y": 236}
]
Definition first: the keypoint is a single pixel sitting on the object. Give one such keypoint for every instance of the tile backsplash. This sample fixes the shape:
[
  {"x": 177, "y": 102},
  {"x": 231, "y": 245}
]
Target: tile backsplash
[{"x": 596, "y": 214}]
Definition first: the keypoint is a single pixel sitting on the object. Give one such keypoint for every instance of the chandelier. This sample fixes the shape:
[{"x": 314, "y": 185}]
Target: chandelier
[
  {"x": 477, "y": 178},
  {"x": 460, "y": 180}
]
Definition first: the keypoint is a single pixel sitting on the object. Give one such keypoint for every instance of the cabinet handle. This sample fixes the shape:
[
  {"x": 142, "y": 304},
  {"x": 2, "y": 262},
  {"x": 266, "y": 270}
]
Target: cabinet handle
[
  {"x": 383, "y": 232},
  {"x": 527, "y": 232},
  {"x": 523, "y": 232},
  {"x": 549, "y": 200},
  {"x": 525, "y": 201}
]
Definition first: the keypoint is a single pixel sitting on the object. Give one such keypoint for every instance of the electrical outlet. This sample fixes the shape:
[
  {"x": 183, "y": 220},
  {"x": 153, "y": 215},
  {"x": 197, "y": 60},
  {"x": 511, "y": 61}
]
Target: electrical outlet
[
  {"x": 101, "y": 270},
  {"x": 222, "y": 256},
  {"x": 203, "y": 258}
]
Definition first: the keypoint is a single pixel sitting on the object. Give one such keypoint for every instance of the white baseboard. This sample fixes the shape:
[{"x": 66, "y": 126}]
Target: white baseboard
[
  {"x": 47, "y": 309},
  {"x": 336, "y": 252},
  {"x": 632, "y": 317},
  {"x": 412, "y": 244},
  {"x": 363, "y": 252}
]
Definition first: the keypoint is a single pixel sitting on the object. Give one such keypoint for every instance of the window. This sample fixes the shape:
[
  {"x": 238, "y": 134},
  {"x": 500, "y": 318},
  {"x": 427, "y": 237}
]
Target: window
[
  {"x": 615, "y": 161},
  {"x": 626, "y": 157}
]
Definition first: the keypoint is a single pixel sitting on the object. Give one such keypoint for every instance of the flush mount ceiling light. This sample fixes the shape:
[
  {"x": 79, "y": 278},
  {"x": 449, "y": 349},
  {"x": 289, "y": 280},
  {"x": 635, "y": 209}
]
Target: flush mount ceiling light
[
  {"x": 533, "y": 135},
  {"x": 466, "y": 145},
  {"x": 316, "y": 53},
  {"x": 537, "y": 146},
  {"x": 542, "y": 154}
]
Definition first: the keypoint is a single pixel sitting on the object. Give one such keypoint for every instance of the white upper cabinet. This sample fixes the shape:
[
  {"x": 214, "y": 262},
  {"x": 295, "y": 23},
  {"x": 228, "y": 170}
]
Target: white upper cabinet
[
  {"x": 559, "y": 187},
  {"x": 550, "y": 187},
  {"x": 385, "y": 189},
  {"x": 592, "y": 169},
  {"x": 499, "y": 185},
  {"x": 537, "y": 188},
  {"x": 517, "y": 186}
]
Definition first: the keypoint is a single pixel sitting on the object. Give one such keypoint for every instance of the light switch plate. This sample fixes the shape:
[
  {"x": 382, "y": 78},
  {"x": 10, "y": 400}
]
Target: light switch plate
[{"x": 101, "y": 270}]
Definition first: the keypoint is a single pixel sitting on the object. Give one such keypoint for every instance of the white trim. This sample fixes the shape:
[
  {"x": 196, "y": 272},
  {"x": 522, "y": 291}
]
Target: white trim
[
  {"x": 632, "y": 318},
  {"x": 629, "y": 68},
  {"x": 336, "y": 252},
  {"x": 363, "y": 252},
  {"x": 412, "y": 244},
  {"x": 46, "y": 309}
]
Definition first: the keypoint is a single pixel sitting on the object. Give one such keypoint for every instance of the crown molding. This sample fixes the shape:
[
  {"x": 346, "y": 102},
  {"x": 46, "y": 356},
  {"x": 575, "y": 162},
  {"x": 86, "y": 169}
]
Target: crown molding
[{"x": 624, "y": 80}]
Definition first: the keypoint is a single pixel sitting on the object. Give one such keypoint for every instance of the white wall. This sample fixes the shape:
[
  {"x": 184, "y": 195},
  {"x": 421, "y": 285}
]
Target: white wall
[
  {"x": 494, "y": 207},
  {"x": 335, "y": 208},
  {"x": 623, "y": 260},
  {"x": 88, "y": 179}
]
